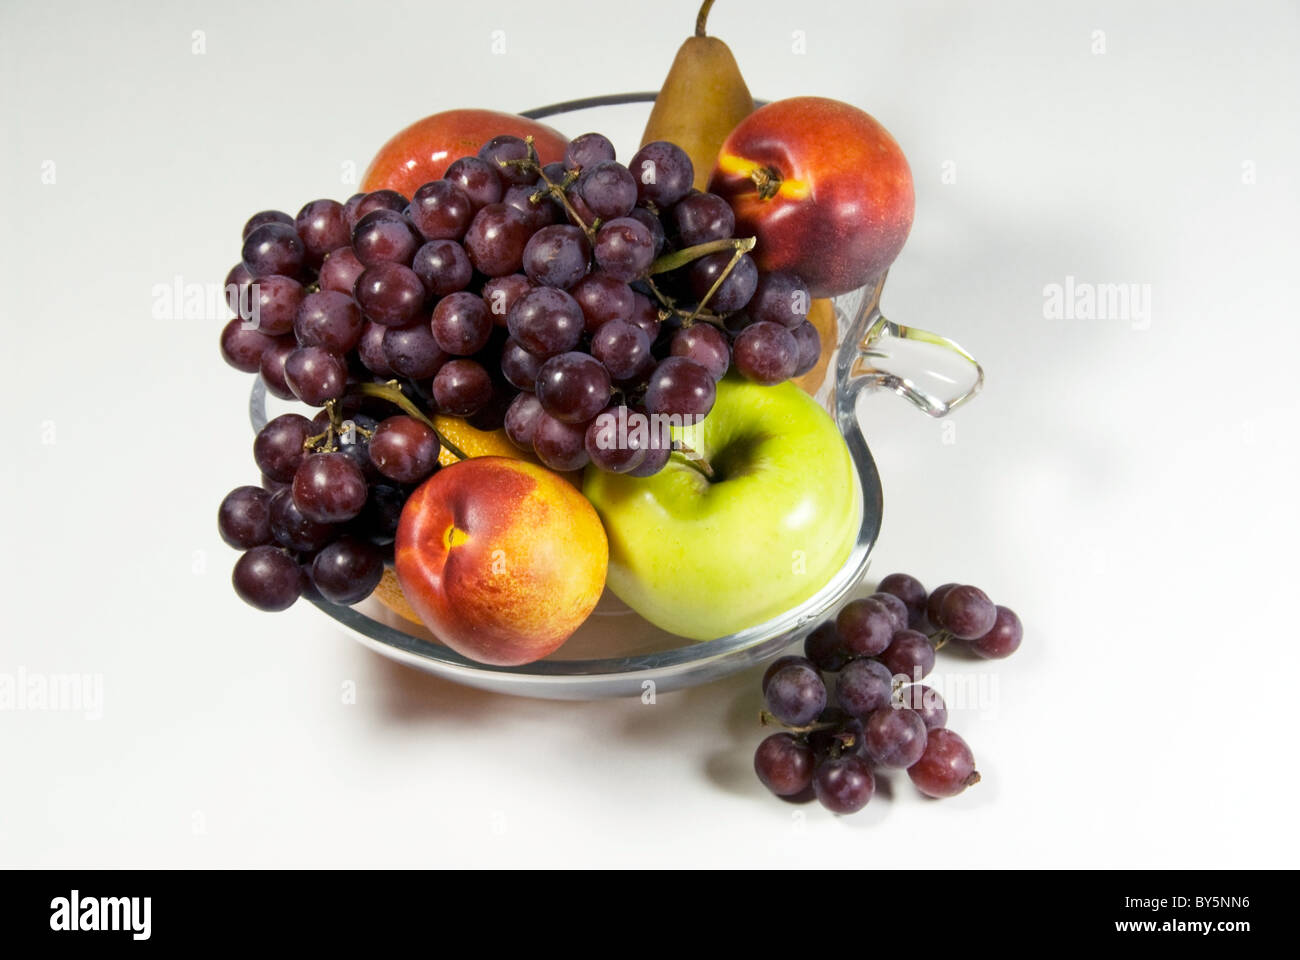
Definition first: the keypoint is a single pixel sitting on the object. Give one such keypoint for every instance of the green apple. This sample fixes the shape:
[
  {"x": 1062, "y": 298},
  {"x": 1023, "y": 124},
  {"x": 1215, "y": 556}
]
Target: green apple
[{"x": 705, "y": 556}]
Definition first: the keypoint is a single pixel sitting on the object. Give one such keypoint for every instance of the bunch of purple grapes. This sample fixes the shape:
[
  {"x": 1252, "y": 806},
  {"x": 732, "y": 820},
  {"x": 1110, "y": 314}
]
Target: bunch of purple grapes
[
  {"x": 883, "y": 718},
  {"x": 520, "y": 296},
  {"x": 324, "y": 519},
  {"x": 508, "y": 294}
]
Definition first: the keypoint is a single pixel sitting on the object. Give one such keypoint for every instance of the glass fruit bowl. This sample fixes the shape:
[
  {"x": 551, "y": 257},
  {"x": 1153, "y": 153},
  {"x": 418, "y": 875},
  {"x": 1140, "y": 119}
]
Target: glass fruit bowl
[{"x": 616, "y": 653}]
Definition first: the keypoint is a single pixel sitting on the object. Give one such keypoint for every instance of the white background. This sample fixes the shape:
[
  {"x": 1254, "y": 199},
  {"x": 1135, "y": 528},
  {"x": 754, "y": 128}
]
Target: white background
[{"x": 1131, "y": 492}]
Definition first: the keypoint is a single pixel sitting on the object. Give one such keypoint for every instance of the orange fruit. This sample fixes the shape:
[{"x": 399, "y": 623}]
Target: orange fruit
[
  {"x": 475, "y": 443},
  {"x": 389, "y": 593}
]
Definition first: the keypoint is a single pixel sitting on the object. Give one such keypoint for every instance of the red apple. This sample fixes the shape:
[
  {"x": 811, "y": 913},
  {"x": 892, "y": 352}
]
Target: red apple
[
  {"x": 424, "y": 150},
  {"x": 824, "y": 188},
  {"x": 502, "y": 559}
]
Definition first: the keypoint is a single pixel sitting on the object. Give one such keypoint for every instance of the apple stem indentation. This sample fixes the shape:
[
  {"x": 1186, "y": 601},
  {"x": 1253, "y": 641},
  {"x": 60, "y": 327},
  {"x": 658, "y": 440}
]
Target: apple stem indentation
[
  {"x": 692, "y": 459},
  {"x": 392, "y": 392}
]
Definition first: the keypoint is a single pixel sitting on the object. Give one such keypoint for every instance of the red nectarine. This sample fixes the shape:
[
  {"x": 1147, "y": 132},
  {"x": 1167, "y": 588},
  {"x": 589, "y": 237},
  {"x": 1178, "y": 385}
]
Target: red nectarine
[
  {"x": 502, "y": 559},
  {"x": 423, "y": 151},
  {"x": 824, "y": 188}
]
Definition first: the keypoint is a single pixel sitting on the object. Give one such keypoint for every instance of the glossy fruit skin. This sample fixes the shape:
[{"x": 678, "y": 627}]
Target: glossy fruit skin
[
  {"x": 845, "y": 784},
  {"x": 559, "y": 445},
  {"x": 892, "y": 603},
  {"x": 340, "y": 270},
  {"x": 781, "y": 662},
  {"x": 934, "y": 603},
  {"x": 294, "y": 531},
  {"x": 423, "y": 151},
  {"x": 824, "y": 649},
  {"x": 670, "y": 534},
  {"x": 909, "y": 653},
  {"x": 680, "y": 387},
  {"x": 845, "y": 205},
  {"x": 946, "y": 768},
  {"x": 278, "y": 446},
  {"x": 1002, "y": 639},
  {"x": 443, "y": 267},
  {"x": 966, "y": 612},
  {"x": 347, "y": 570},
  {"x": 496, "y": 239},
  {"x": 863, "y": 687},
  {"x": 404, "y": 449},
  {"x": 663, "y": 173},
  {"x": 244, "y": 518},
  {"x": 242, "y": 347},
  {"x": 501, "y": 558},
  {"x": 911, "y": 591},
  {"x": 928, "y": 704},
  {"x": 329, "y": 487},
  {"x": 865, "y": 626},
  {"x": 267, "y": 578},
  {"x": 795, "y": 695},
  {"x": 896, "y": 737},
  {"x": 784, "y": 765},
  {"x": 271, "y": 367}
]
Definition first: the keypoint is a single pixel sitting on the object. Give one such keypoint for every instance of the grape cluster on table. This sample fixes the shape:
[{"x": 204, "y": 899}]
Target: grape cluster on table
[
  {"x": 881, "y": 718},
  {"x": 506, "y": 293}
]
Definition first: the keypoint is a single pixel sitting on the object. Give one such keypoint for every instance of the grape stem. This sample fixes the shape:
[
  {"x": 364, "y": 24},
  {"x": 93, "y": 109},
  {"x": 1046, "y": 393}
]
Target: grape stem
[
  {"x": 768, "y": 720},
  {"x": 679, "y": 258},
  {"x": 665, "y": 301},
  {"x": 731, "y": 265},
  {"x": 325, "y": 441},
  {"x": 392, "y": 392},
  {"x": 940, "y": 639},
  {"x": 668, "y": 308},
  {"x": 532, "y": 163}
]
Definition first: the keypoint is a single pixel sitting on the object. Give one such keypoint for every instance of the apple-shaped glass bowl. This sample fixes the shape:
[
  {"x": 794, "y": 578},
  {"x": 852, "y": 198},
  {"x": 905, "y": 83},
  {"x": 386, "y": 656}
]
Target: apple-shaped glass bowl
[{"x": 616, "y": 653}]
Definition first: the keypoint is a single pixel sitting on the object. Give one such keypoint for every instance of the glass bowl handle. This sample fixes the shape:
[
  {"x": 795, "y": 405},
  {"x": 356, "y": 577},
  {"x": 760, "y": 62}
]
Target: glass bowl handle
[{"x": 931, "y": 371}]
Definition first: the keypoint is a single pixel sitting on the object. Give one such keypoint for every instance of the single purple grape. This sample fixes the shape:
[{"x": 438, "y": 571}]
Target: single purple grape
[
  {"x": 783, "y": 764},
  {"x": 844, "y": 784},
  {"x": 896, "y": 737},
  {"x": 796, "y": 695},
  {"x": 1003, "y": 638}
]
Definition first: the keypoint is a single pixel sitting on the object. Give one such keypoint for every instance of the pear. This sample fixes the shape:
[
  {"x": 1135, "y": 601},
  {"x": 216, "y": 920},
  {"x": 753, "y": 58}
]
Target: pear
[{"x": 703, "y": 98}]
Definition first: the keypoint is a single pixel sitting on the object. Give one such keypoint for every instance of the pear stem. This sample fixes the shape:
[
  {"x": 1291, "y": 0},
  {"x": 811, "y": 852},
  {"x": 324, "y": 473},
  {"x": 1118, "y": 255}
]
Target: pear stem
[{"x": 702, "y": 17}]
